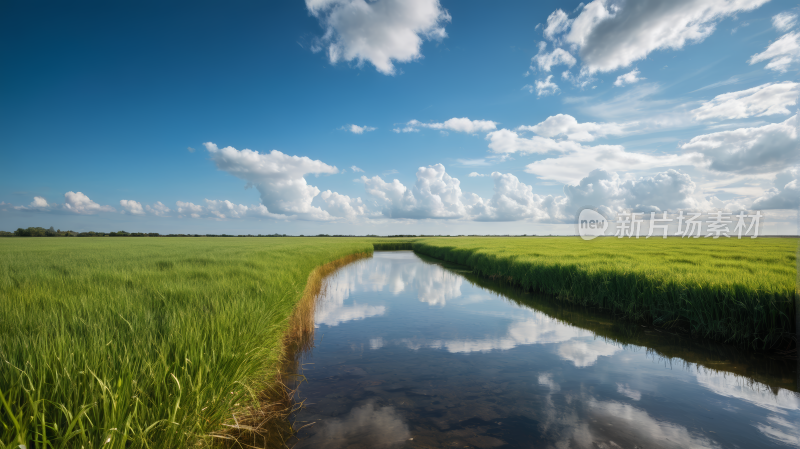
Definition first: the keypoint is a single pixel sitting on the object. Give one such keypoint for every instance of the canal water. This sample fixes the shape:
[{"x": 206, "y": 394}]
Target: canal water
[{"x": 411, "y": 353}]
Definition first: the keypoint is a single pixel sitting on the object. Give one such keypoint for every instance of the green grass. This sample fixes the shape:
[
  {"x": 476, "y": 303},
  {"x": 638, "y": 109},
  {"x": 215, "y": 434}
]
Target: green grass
[
  {"x": 143, "y": 342},
  {"x": 735, "y": 291}
]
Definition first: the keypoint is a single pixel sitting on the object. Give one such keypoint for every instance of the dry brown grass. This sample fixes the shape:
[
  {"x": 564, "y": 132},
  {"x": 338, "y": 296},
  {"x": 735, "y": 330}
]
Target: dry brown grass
[{"x": 268, "y": 425}]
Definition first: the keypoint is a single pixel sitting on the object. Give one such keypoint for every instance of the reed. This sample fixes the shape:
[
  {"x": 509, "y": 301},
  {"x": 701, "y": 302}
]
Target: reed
[{"x": 735, "y": 291}]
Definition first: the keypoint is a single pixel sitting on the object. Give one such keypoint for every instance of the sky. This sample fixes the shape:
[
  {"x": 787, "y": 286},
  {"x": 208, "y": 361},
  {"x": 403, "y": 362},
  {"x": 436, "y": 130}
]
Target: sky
[{"x": 395, "y": 116}]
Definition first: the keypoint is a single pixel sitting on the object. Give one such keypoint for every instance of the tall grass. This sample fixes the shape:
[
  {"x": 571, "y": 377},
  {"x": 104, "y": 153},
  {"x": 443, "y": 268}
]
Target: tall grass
[
  {"x": 735, "y": 291},
  {"x": 145, "y": 342}
]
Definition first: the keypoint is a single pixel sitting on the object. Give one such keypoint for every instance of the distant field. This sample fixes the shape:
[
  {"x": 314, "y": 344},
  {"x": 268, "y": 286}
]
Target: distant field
[
  {"x": 143, "y": 342},
  {"x": 736, "y": 291}
]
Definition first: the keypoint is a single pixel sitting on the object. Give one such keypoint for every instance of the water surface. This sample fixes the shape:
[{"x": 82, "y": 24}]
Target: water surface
[{"x": 410, "y": 353}]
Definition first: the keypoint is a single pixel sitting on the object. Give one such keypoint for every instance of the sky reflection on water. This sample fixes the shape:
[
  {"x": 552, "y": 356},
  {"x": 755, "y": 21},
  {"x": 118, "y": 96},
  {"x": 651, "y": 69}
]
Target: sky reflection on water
[{"x": 412, "y": 354}]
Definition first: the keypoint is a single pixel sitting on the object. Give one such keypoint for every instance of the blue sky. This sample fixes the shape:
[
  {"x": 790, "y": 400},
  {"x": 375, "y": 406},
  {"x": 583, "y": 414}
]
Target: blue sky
[{"x": 664, "y": 106}]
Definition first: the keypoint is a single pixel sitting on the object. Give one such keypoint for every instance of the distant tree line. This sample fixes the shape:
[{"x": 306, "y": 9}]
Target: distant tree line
[{"x": 51, "y": 232}]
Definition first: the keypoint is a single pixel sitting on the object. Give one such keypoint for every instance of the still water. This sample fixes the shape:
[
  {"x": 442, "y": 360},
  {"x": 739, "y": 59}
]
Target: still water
[{"x": 414, "y": 354}]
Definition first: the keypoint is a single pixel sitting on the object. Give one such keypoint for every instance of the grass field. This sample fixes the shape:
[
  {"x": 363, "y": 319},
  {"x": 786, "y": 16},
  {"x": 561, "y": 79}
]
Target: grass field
[
  {"x": 164, "y": 342},
  {"x": 151, "y": 342},
  {"x": 736, "y": 291}
]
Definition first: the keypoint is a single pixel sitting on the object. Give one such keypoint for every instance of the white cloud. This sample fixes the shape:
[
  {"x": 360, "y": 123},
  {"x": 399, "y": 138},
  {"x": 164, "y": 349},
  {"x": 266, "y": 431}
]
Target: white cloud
[
  {"x": 225, "y": 209},
  {"x": 81, "y": 204},
  {"x": 343, "y": 206},
  {"x": 514, "y": 200},
  {"x": 356, "y": 169},
  {"x": 278, "y": 177},
  {"x": 476, "y": 175},
  {"x": 546, "y": 87},
  {"x": 158, "y": 209},
  {"x": 781, "y": 54},
  {"x": 784, "y": 21},
  {"x": 628, "y": 78},
  {"x": 666, "y": 191},
  {"x": 766, "y": 149},
  {"x": 463, "y": 124},
  {"x": 611, "y": 35},
  {"x": 785, "y": 194},
  {"x": 577, "y": 163},
  {"x": 38, "y": 203},
  {"x": 191, "y": 150},
  {"x": 380, "y": 31},
  {"x": 563, "y": 125},
  {"x": 435, "y": 195},
  {"x": 545, "y": 61},
  {"x": 557, "y": 22},
  {"x": 132, "y": 207},
  {"x": 507, "y": 141},
  {"x": 759, "y": 101},
  {"x": 216, "y": 209},
  {"x": 191, "y": 209},
  {"x": 355, "y": 129}
]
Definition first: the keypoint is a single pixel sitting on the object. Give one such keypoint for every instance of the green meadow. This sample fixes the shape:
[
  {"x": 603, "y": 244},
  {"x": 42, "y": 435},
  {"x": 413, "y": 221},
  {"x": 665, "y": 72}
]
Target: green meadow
[
  {"x": 144, "y": 342},
  {"x": 172, "y": 342},
  {"x": 735, "y": 291}
]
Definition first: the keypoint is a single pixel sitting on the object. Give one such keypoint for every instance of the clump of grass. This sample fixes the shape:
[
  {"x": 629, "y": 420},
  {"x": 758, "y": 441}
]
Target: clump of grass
[
  {"x": 147, "y": 342},
  {"x": 392, "y": 246},
  {"x": 735, "y": 291}
]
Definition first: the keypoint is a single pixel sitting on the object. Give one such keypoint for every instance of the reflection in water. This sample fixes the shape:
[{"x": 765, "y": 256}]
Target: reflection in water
[
  {"x": 372, "y": 426},
  {"x": 413, "y": 354}
]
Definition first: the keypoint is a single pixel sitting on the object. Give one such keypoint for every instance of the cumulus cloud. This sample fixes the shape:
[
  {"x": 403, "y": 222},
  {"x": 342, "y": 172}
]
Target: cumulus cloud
[
  {"x": 343, "y": 206},
  {"x": 628, "y": 78},
  {"x": 759, "y": 101},
  {"x": 132, "y": 207},
  {"x": 435, "y": 194},
  {"x": 190, "y": 209},
  {"x": 158, "y": 209},
  {"x": 781, "y": 54},
  {"x": 564, "y": 125},
  {"x": 476, "y": 175},
  {"x": 225, "y": 209},
  {"x": 507, "y": 141},
  {"x": 38, "y": 203},
  {"x": 279, "y": 178},
  {"x": 785, "y": 194},
  {"x": 81, "y": 204},
  {"x": 514, "y": 200},
  {"x": 463, "y": 125},
  {"x": 784, "y": 21},
  {"x": 557, "y": 23},
  {"x": 666, "y": 191},
  {"x": 216, "y": 209},
  {"x": 355, "y": 129},
  {"x": 380, "y": 31},
  {"x": 545, "y": 61},
  {"x": 546, "y": 87},
  {"x": 765, "y": 149},
  {"x": 610, "y": 35},
  {"x": 580, "y": 160}
]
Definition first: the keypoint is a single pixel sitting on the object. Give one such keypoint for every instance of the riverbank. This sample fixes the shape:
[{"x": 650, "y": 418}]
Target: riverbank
[
  {"x": 739, "y": 292},
  {"x": 149, "y": 342}
]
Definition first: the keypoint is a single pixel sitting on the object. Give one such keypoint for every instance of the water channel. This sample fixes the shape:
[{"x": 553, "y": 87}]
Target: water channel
[{"x": 412, "y": 353}]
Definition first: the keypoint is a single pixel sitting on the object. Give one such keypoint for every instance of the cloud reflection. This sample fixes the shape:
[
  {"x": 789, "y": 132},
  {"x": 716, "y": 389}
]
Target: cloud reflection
[{"x": 374, "y": 427}]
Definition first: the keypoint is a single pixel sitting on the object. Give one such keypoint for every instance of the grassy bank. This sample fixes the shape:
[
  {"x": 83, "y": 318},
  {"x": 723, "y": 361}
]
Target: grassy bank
[
  {"x": 734, "y": 291},
  {"x": 145, "y": 342}
]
